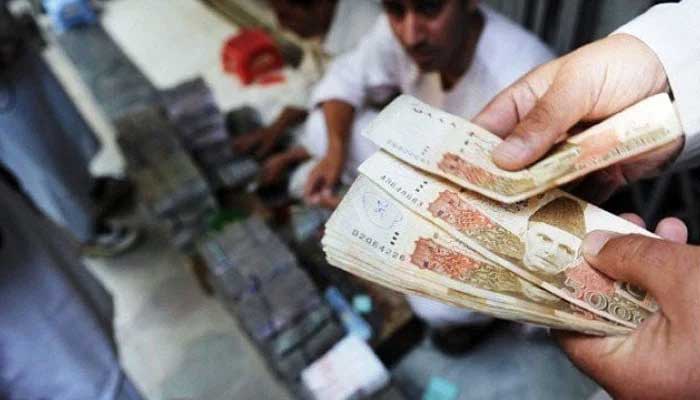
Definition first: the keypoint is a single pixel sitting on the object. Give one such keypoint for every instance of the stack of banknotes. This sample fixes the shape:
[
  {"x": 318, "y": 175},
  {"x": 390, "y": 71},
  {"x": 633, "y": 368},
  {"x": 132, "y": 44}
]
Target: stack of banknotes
[
  {"x": 431, "y": 215},
  {"x": 171, "y": 187},
  {"x": 259, "y": 280}
]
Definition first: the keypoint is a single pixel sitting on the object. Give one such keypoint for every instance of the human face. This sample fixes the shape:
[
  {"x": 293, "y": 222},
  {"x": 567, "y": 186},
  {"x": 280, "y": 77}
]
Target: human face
[
  {"x": 430, "y": 31},
  {"x": 549, "y": 249}
]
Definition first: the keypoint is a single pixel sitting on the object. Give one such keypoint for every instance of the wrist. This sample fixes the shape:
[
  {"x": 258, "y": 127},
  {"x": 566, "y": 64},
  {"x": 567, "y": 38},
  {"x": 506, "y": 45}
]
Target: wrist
[
  {"x": 334, "y": 158},
  {"x": 336, "y": 146},
  {"x": 335, "y": 153}
]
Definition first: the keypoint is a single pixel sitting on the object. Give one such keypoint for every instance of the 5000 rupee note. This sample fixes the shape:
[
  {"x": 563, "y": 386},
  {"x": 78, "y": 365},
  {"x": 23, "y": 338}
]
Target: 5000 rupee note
[
  {"x": 451, "y": 147},
  {"x": 538, "y": 239},
  {"x": 371, "y": 226}
]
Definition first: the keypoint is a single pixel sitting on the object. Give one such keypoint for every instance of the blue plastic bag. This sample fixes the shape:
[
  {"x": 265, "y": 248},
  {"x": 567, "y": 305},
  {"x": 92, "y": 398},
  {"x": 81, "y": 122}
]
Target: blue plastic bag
[{"x": 67, "y": 14}]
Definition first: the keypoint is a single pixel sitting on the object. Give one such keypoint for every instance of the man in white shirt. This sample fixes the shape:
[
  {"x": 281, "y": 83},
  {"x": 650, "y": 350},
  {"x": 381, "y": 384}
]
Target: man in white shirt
[
  {"x": 340, "y": 25},
  {"x": 656, "y": 52},
  {"x": 452, "y": 54},
  {"x": 449, "y": 53}
]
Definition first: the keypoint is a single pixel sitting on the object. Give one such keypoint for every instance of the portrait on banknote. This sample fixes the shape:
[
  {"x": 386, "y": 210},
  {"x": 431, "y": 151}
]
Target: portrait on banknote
[{"x": 553, "y": 236}]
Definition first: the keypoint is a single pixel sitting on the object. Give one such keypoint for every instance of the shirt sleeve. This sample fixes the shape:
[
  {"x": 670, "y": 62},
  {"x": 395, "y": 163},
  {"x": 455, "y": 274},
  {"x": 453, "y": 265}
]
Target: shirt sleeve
[
  {"x": 672, "y": 31},
  {"x": 373, "y": 63}
]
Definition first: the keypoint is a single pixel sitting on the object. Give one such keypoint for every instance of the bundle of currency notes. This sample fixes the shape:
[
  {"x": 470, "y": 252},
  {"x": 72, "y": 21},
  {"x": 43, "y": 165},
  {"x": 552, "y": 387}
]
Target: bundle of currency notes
[
  {"x": 202, "y": 130},
  {"x": 258, "y": 278},
  {"x": 191, "y": 107},
  {"x": 170, "y": 185},
  {"x": 432, "y": 215}
]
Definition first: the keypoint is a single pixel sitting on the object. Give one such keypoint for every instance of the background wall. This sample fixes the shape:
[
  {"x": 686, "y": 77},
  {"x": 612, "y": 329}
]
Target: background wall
[{"x": 565, "y": 25}]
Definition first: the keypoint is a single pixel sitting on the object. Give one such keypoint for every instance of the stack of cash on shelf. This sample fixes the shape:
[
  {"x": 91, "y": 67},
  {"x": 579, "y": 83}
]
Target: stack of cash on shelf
[
  {"x": 171, "y": 187},
  {"x": 258, "y": 279},
  {"x": 431, "y": 215}
]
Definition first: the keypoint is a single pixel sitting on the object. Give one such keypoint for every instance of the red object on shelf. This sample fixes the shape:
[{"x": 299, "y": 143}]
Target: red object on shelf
[{"x": 251, "y": 54}]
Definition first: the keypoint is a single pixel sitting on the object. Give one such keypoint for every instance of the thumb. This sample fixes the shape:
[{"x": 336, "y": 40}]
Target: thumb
[
  {"x": 661, "y": 267},
  {"x": 562, "y": 106},
  {"x": 503, "y": 113}
]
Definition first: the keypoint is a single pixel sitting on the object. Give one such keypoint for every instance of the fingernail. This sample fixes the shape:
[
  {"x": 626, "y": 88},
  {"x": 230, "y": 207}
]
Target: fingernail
[
  {"x": 595, "y": 241},
  {"x": 513, "y": 148}
]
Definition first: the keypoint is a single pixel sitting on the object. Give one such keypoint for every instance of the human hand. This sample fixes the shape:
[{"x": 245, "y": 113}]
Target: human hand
[
  {"x": 571, "y": 92},
  {"x": 245, "y": 144},
  {"x": 329, "y": 200},
  {"x": 273, "y": 168},
  {"x": 260, "y": 142},
  {"x": 322, "y": 180},
  {"x": 661, "y": 359}
]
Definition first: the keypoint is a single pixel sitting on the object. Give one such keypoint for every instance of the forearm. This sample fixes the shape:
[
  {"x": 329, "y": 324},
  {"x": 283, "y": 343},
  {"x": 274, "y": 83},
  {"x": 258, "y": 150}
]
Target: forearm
[
  {"x": 339, "y": 117},
  {"x": 288, "y": 118},
  {"x": 296, "y": 154}
]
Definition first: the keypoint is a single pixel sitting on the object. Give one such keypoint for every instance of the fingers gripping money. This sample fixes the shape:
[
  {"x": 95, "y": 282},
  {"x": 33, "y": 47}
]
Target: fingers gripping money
[
  {"x": 460, "y": 151},
  {"x": 374, "y": 236},
  {"x": 524, "y": 237}
]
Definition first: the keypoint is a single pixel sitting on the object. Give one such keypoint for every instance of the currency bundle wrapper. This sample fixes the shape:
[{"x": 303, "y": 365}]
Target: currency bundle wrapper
[{"x": 350, "y": 370}]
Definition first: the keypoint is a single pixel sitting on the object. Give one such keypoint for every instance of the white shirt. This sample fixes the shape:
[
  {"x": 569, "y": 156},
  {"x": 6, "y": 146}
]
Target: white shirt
[
  {"x": 672, "y": 31},
  {"x": 504, "y": 53},
  {"x": 352, "y": 20}
]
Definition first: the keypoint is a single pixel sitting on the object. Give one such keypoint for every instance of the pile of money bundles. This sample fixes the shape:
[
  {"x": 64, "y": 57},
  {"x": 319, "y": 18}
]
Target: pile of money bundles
[
  {"x": 171, "y": 187},
  {"x": 203, "y": 132},
  {"x": 259, "y": 280}
]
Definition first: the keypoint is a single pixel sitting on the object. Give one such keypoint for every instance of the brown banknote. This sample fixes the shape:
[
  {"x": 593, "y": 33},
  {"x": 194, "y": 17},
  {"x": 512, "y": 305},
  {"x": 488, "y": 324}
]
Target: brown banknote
[
  {"x": 460, "y": 151},
  {"x": 373, "y": 235},
  {"x": 538, "y": 239}
]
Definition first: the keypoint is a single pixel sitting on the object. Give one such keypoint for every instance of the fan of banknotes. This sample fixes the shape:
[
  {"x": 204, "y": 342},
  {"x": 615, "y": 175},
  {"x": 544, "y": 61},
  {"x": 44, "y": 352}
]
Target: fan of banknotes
[{"x": 431, "y": 215}]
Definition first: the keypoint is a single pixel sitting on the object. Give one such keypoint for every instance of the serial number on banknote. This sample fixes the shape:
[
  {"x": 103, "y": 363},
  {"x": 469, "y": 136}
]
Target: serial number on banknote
[
  {"x": 402, "y": 191},
  {"x": 383, "y": 248}
]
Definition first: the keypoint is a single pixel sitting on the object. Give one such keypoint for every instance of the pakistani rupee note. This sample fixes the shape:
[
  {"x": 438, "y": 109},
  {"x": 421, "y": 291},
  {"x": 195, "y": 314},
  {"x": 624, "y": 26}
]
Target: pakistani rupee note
[
  {"x": 458, "y": 298},
  {"x": 373, "y": 235},
  {"x": 451, "y": 147},
  {"x": 539, "y": 239}
]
